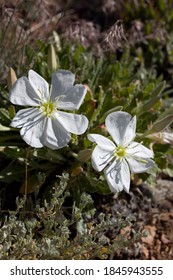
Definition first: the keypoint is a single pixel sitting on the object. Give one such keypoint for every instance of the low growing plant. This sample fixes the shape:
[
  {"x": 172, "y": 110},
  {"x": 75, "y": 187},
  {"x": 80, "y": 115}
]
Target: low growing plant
[{"x": 58, "y": 220}]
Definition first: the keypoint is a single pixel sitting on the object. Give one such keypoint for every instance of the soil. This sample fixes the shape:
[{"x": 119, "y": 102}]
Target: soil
[{"x": 151, "y": 208}]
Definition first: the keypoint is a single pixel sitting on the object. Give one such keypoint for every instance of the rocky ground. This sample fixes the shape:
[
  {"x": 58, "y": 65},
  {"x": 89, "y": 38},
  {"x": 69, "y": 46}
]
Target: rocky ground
[
  {"x": 88, "y": 21},
  {"x": 152, "y": 209}
]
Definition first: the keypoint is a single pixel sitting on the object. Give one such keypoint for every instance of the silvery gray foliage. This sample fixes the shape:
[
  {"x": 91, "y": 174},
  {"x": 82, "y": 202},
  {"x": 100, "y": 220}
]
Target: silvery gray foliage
[{"x": 47, "y": 233}]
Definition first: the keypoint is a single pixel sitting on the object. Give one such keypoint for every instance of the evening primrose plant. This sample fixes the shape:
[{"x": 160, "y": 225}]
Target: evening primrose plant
[
  {"x": 103, "y": 86},
  {"x": 46, "y": 125},
  {"x": 58, "y": 171},
  {"x": 102, "y": 108}
]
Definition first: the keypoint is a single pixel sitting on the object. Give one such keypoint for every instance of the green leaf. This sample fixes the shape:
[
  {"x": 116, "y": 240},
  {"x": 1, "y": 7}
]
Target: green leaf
[
  {"x": 97, "y": 111},
  {"x": 50, "y": 155},
  {"x": 158, "y": 89},
  {"x": 160, "y": 125},
  {"x": 148, "y": 105},
  {"x": 5, "y": 116},
  {"x": 12, "y": 173},
  {"x": 156, "y": 95},
  {"x": 15, "y": 152}
]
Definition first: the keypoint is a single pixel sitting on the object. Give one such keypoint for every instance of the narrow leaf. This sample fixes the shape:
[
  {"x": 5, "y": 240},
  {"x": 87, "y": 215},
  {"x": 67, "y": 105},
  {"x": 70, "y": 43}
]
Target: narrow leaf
[{"x": 160, "y": 125}]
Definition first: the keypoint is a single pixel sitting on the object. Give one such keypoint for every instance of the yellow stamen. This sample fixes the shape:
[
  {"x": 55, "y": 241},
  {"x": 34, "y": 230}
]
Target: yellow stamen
[
  {"x": 48, "y": 108},
  {"x": 143, "y": 161},
  {"x": 120, "y": 151}
]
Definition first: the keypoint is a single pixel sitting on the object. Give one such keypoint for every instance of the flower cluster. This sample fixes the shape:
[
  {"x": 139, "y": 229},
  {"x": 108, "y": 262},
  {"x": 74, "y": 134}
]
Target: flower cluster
[{"x": 44, "y": 123}]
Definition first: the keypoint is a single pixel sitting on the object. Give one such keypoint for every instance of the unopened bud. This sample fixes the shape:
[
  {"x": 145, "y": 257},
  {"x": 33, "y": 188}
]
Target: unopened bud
[
  {"x": 57, "y": 41},
  {"x": 76, "y": 171},
  {"x": 162, "y": 137},
  {"x": 84, "y": 155},
  {"x": 52, "y": 60},
  {"x": 12, "y": 78},
  {"x": 12, "y": 111}
]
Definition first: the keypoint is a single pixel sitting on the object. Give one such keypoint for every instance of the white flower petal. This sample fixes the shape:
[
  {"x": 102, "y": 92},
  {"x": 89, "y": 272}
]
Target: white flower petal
[
  {"x": 39, "y": 84},
  {"x": 102, "y": 141},
  {"x": 100, "y": 158},
  {"x": 31, "y": 132},
  {"x": 62, "y": 81},
  {"x": 54, "y": 135},
  {"x": 167, "y": 137},
  {"x": 125, "y": 175},
  {"x": 72, "y": 98},
  {"x": 23, "y": 93},
  {"x": 118, "y": 176},
  {"x": 139, "y": 165},
  {"x": 138, "y": 150},
  {"x": 73, "y": 123},
  {"x": 23, "y": 116},
  {"x": 121, "y": 127}
]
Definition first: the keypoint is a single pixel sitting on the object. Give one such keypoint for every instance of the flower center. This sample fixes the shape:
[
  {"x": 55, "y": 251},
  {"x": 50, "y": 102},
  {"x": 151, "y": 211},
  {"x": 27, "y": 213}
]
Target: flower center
[
  {"x": 48, "y": 108},
  {"x": 120, "y": 151}
]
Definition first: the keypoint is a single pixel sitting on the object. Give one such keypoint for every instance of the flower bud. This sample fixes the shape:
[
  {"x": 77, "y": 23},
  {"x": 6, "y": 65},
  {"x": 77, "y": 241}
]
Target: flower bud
[
  {"x": 12, "y": 111},
  {"x": 57, "y": 41},
  {"x": 11, "y": 79},
  {"x": 52, "y": 60},
  {"x": 84, "y": 155},
  {"x": 76, "y": 171},
  {"x": 162, "y": 137}
]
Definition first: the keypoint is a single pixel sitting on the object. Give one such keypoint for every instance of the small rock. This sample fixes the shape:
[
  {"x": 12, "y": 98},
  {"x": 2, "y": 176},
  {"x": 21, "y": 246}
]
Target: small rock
[{"x": 151, "y": 235}]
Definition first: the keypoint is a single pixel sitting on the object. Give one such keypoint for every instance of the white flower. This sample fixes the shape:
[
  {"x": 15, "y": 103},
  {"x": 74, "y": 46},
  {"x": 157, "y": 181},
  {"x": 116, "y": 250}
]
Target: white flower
[
  {"x": 118, "y": 160},
  {"x": 44, "y": 124}
]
